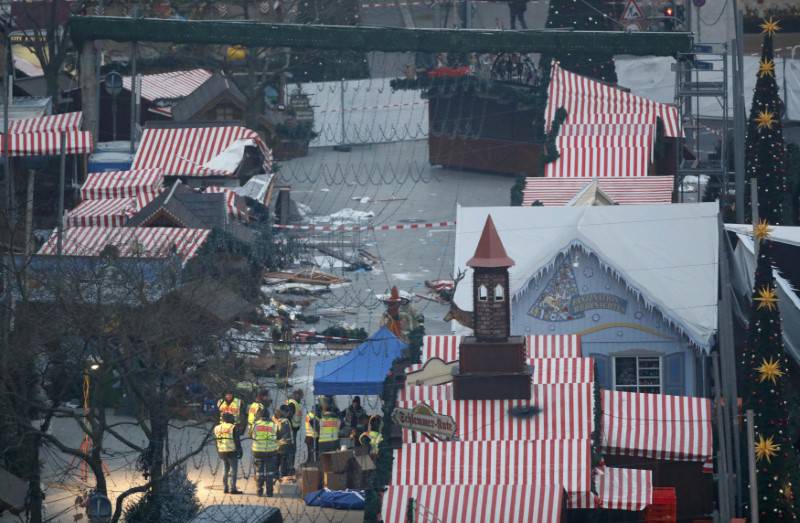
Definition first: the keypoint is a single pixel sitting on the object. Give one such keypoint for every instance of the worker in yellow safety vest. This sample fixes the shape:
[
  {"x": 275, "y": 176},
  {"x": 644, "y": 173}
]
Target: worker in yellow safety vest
[
  {"x": 264, "y": 433},
  {"x": 229, "y": 448},
  {"x": 373, "y": 436},
  {"x": 229, "y": 404},
  {"x": 312, "y": 433},
  {"x": 329, "y": 426},
  {"x": 258, "y": 406},
  {"x": 296, "y": 411}
]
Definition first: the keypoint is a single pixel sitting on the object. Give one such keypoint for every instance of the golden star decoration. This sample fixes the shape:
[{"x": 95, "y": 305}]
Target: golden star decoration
[
  {"x": 761, "y": 230},
  {"x": 766, "y": 68},
  {"x": 765, "y": 119},
  {"x": 769, "y": 370},
  {"x": 770, "y": 27},
  {"x": 766, "y": 448},
  {"x": 767, "y": 299}
]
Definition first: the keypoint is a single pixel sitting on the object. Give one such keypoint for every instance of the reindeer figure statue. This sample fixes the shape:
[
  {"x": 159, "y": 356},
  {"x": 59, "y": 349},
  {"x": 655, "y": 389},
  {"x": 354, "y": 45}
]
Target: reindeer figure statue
[{"x": 465, "y": 318}]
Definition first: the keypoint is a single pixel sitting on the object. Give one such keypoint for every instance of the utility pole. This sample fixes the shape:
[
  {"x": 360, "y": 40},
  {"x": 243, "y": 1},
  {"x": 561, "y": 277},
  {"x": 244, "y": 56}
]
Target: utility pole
[
  {"x": 134, "y": 90},
  {"x": 751, "y": 462},
  {"x": 738, "y": 112},
  {"x": 754, "y": 212},
  {"x": 61, "y": 176}
]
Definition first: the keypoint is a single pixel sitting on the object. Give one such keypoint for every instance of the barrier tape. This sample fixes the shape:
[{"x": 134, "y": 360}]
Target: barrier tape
[{"x": 357, "y": 228}]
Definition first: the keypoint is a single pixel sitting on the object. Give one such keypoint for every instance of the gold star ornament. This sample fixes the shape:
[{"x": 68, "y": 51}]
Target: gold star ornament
[
  {"x": 766, "y": 298},
  {"x": 765, "y": 119},
  {"x": 769, "y": 370},
  {"x": 766, "y": 449},
  {"x": 770, "y": 27},
  {"x": 762, "y": 230},
  {"x": 766, "y": 68}
]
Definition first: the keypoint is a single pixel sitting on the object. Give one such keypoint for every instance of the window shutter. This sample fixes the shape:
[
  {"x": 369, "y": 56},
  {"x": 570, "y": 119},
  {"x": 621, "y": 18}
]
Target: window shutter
[
  {"x": 674, "y": 376},
  {"x": 602, "y": 369}
]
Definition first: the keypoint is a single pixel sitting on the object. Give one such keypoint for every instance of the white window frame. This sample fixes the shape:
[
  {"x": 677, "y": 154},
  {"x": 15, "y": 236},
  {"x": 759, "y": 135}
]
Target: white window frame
[
  {"x": 483, "y": 293},
  {"x": 499, "y": 293},
  {"x": 639, "y": 386}
]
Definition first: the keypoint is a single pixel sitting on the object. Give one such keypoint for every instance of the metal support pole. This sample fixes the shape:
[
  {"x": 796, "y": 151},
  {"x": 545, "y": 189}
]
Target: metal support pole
[
  {"x": 29, "y": 212},
  {"x": 751, "y": 462},
  {"x": 738, "y": 116},
  {"x": 134, "y": 91},
  {"x": 343, "y": 146},
  {"x": 61, "y": 176},
  {"x": 754, "y": 211},
  {"x": 113, "y": 117},
  {"x": 723, "y": 432},
  {"x": 467, "y": 22}
]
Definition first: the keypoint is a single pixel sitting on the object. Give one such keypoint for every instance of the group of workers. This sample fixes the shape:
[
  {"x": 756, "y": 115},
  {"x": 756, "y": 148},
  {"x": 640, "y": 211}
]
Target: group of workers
[{"x": 274, "y": 437}]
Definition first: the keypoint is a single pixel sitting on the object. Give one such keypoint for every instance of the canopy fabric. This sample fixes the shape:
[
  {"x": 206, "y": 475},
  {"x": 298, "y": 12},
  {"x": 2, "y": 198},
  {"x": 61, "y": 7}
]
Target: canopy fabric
[
  {"x": 169, "y": 86},
  {"x": 122, "y": 184},
  {"x": 666, "y": 254},
  {"x": 458, "y": 503},
  {"x": 54, "y": 122},
  {"x": 624, "y": 489},
  {"x": 623, "y": 191},
  {"x": 113, "y": 212},
  {"x": 656, "y": 426},
  {"x": 362, "y": 370},
  {"x": 779, "y": 233},
  {"x": 48, "y": 143}
]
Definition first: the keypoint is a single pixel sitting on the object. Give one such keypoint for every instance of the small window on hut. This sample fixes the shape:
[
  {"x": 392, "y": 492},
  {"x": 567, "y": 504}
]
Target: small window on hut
[
  {"x": 499, "y": 293},
  {"x": 483, "y": 293}
]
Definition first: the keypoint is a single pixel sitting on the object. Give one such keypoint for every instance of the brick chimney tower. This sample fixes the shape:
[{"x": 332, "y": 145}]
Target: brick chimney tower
[
  {"x": 490, "y": 286},
  {"x": 492, "y": 362}
]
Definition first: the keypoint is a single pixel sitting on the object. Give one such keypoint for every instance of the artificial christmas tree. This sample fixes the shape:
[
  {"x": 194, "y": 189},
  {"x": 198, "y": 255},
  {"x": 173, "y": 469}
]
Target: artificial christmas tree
[
  {"x": 764, "y": 148},
  {"x": 582, "y": 15},
  {"x": 766, "y": 389}
]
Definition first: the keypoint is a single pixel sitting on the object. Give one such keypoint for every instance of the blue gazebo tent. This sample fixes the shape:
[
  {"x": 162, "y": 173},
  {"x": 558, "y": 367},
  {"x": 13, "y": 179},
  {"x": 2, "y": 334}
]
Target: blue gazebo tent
[{"x": 362, "y": 370}]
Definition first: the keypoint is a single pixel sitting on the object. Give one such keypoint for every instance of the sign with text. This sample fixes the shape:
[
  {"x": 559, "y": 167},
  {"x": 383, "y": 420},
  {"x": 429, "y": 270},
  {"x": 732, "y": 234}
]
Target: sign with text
[{"x": 422, "y": 418}]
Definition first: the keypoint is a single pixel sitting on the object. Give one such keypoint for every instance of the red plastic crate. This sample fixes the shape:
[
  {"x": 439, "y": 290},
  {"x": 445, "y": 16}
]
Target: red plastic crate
[{"x": 664, "y": 508}]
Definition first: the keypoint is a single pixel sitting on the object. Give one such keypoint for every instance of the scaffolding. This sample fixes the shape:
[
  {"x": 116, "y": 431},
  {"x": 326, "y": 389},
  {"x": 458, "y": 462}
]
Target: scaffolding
[{"x": 703, "y": 149}]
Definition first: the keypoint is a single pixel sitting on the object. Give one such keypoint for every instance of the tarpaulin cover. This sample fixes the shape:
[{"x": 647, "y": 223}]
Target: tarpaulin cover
[
  {"x": 666, "y": 254},
  {"x": 341, "y": 499},
  {"x": 362, "y": 370}
]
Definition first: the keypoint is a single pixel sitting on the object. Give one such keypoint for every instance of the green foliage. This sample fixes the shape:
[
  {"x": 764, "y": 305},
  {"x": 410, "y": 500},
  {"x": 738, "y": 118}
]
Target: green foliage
[
  {"x": 357, "y": 333},
  {"x": 177, "y": 502},
  {"x": 581, "y": 15},
  {"x": 774, "y": 402},
  {"x": 550, "y": 152},
  {"x": 383, "y": 466},
  {"x": 764, "y": 149},
  {"x": 516, "y": 190}
]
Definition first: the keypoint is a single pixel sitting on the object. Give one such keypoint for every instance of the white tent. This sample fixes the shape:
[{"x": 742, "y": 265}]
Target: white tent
[
  {"x": 667, "y": 254},
  {"x": 653, "y": 78}
]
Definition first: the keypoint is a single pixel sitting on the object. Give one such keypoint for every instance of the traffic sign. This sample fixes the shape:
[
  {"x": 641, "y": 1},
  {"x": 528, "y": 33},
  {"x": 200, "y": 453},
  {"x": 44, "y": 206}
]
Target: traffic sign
[{"x": 632, "y": 11}]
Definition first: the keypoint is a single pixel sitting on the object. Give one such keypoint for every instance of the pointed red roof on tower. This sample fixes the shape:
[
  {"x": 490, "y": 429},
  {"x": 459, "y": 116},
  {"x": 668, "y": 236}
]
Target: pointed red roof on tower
[{"x": 490, "y": 252}]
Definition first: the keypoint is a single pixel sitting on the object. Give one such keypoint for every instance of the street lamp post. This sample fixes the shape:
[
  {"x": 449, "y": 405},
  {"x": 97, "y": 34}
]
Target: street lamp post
[{"x": 113, "y": 87}]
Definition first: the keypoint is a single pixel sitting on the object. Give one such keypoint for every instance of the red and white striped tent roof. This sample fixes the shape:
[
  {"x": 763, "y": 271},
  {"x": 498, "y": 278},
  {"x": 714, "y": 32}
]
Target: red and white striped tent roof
[
  {"x": 55, "y": 122},
  {"x": 41, "y": 136},
  {"x": 584, "y": 99},
  {"x": 445, "y": 347},
  {"x": 566, "y": 411},
  {"x": 548, "y": 462},
  {"x": 657, "y": 425},
  {"x": 171, "y": 85},
  {"x": 579, "y": 157},
  {"x": 607, "y": 129},
  {"x": 623, "y": 489},
  {"x": 624, "y": 191},
  {"x": 546, "y": 371},
  {"x": 122, "y": 184},
  {"x": 131, "y": 242},
  {"x": 185, "y": 151},
  {"x": 112, "y": 212},
  {"x": 234, "y": 203},
  {"x": 462, "y": 503}
]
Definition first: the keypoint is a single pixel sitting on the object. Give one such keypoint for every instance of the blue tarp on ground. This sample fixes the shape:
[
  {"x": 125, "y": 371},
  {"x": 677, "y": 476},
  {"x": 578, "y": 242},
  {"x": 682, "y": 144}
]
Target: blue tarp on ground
[
  {"x": 341, "y": 499},
  {"x": 360, "y": 371}
]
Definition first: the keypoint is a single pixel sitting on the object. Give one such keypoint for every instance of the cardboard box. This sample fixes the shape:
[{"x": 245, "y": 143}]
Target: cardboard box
[
  {"x": 364, "y": 463},
  {"x": 335, "y": 461},
  {"x": 310, "y": 480},
  {"x": 336, "y": 480}
]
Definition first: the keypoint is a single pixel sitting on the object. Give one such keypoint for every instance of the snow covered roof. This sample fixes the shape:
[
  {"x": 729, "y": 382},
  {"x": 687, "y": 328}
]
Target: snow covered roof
[
  {"x": 779, "y": 233},
  {"x": 667, "y": 254}
]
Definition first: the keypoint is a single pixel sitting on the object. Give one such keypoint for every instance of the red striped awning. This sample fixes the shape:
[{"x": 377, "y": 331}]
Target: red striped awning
[
  {"x": 145, "y": 242},
  {"x": 546, "y": 371},
  {"x": 600, "y": 162},
  {"x": 584, "y": 99},
  {"x": 468, "y": 503},
  {"x": 48, "y": 143},
  {"x": 56, "y": 122},
  {"x": 657, "y": 426},
  {"x": 607, "y": 129},
  {"x": 623, "y": 489},
  {"x": 185, "y": 151},
  {"x": 624, "y": 191},
  {"x": 564, "y": 411},
  {"x": 544, "y": 346},
  {"x": 234, "y": 204},
  {"x": 112, "y": 212},
  {"x": 551, "y": 462},
  {"x": 169, "y": 86},
  {"x": 122, "y": 184}
]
